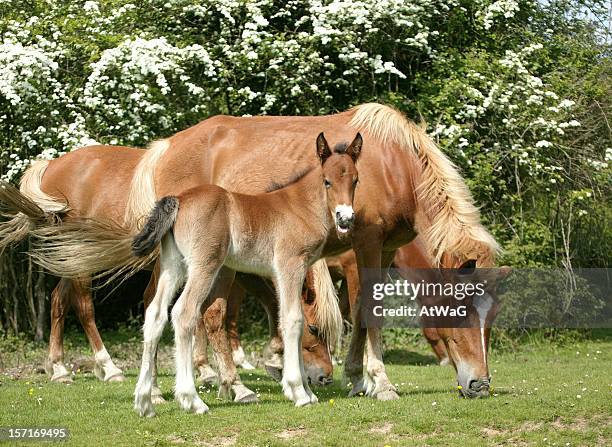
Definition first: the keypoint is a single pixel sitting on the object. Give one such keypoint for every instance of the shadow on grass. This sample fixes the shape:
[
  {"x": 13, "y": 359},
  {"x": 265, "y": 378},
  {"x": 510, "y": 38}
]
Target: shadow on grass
[{"x": 404, "y": 357}]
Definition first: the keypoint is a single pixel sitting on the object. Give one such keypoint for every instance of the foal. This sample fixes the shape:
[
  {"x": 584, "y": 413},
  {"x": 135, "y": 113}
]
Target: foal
[{"x": 275, "y": 235}]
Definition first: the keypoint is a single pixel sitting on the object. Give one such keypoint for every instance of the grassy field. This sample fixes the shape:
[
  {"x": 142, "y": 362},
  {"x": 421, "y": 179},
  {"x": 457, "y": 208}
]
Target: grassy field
[{"x": 544, "y": 394}]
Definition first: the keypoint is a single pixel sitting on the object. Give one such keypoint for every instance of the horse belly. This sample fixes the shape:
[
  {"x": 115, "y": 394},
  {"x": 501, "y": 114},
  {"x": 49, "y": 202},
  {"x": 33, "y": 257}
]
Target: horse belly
[{"x": 249, "y": 254}]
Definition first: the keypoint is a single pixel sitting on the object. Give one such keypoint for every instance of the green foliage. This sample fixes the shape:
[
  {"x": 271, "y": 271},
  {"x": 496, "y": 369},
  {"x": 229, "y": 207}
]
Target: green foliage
[{"x": 517, "y": 92}]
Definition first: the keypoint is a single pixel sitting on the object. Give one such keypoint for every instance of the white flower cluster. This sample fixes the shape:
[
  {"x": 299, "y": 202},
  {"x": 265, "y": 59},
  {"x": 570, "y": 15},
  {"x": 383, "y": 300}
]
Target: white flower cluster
[
  {"x": 533, "y": 118},
  {"x": 498, "y": 9},
  {"x": 40, "y": 117},
  {"x": 83, "y": 71},
  {"x": 136, "y": 82}
]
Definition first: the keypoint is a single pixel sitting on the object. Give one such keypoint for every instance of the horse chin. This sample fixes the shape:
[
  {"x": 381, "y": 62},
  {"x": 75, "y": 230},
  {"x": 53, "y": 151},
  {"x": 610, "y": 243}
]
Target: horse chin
[{"x": 342, "y": 232}]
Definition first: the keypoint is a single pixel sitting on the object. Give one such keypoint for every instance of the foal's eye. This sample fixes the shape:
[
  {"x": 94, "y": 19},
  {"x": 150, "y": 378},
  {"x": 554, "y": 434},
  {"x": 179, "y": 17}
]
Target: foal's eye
[
  {"x": 355, "y": 182},
  {"x": 327, "y": 183},
  {"x": 313, "y": 329}
]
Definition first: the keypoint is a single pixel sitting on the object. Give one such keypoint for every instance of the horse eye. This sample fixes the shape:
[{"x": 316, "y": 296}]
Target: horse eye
[
  {"x": 327, "y": 183},
  {"x": 313, "y": 329},
  {"x": 355, "y": 182}
]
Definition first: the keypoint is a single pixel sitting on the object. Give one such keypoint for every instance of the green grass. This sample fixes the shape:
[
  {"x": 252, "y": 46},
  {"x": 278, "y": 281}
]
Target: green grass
[{"x": 536, "y": 402}]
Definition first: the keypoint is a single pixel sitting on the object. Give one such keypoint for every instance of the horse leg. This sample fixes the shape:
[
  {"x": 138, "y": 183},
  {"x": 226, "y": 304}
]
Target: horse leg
[
  {"x": 215, "y": 319},
  {"x": 185, "y": 314},
  {"x": 273, "y": 352},
  {"x": 289, "y": 284},
  {"x": 437, "y": 344},
  {"x": 200, "y": 354},
  {"x": 236, "y": 296},
  {"x": 353, "y": 366},
  {"x": 82, "y": 303},
  {"x": 60, "y": 298},
  {"x": 148, "y": 295},
  {"x": 378, "y": 385},
  {"x": 171, "y": 277}
]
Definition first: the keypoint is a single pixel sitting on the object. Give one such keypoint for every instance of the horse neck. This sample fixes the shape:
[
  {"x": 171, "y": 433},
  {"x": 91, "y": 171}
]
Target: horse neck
[{"x": 308, "y": 202}]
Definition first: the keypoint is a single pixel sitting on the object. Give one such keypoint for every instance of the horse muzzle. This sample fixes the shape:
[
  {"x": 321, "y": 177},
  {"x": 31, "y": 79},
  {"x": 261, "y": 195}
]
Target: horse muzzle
[
  {"x": 345, "y": 218},
  {"x": 476, "y": 388}
]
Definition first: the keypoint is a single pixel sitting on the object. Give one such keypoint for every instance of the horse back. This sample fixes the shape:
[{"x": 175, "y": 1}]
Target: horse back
[{"x": 94, "y": 180}]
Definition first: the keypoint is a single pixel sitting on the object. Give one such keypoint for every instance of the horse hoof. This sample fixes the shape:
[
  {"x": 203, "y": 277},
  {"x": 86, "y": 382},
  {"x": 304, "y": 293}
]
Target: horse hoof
[
  {"x": 387, "y": 395},
  {"x": 247, "y": 398},
  {"x": 116, "y": 378},
  {"x": 303, "y": 402},
  {"x": 274, "y": 372},
  {"x": 144, "y": 408},
  {"x": 157, "y": 398},
  {"x": 62, "y": 379},
  {"x": 192, "y": 403},
  {"x": 207, "y": 376},
  {"x": 246, "y": 365},
  {"x": 358, "y": 389}
]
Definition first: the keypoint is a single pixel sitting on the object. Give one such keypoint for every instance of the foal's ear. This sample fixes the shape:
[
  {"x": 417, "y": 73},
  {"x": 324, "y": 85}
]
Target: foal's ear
[
  {"x": 323, "y": 150},
  {"x": 354, "y": 149}
]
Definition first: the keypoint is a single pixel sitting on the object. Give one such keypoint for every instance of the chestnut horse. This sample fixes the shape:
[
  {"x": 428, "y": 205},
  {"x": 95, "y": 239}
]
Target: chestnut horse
[
  {"x": 466, "y": 348},
  {"x": 407, "y": 186},
  {"x": 322, "y": 313},
  {"x": 275, "y": 235}
]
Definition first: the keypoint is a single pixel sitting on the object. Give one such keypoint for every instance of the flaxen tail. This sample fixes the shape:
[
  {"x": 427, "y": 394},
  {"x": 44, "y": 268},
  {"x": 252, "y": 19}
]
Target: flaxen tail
[
  {"x": 102, "y": 248},
  {"x": 19, "y": 216}
]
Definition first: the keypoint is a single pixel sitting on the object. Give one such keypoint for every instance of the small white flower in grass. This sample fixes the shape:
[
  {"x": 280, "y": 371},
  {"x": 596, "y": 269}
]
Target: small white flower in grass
[
  {"x": 434, "y": 403},
  {"x": 578, "y": 396}
]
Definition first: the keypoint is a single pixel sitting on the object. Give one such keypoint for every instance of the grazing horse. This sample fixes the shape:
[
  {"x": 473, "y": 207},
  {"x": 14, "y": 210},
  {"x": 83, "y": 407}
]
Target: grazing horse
[
  {"x": 407, "y": 187},
  {"x": 316, "y": 349},
  {"x": 195, "y": 233},
  {"x": 466, "y": 348}
]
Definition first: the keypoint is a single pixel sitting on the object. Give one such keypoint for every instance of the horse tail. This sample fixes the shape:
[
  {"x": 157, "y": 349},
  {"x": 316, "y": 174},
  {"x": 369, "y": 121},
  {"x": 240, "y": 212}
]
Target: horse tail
[
  {"x": 21, "y": 211},
  {"x": 327, "y": 309},
  {"x": 22, "y": 216},
  {"x": 30, "y": 186},
  {"x": 451, "y": 223},
  {"x": 142, "y": 195},
  {"x": 161, "y": 220},
  {"x": 88, "y": 247}
]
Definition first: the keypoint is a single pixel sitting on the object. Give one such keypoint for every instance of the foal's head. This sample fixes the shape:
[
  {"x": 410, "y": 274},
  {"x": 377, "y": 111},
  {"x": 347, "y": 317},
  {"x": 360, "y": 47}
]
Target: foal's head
[{"x": 340, "y": 179}]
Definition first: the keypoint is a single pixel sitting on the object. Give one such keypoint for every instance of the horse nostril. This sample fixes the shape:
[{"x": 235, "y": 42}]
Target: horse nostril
[
  {"x": 479, "y": 385},
  {"x": 324, "y": 380}
]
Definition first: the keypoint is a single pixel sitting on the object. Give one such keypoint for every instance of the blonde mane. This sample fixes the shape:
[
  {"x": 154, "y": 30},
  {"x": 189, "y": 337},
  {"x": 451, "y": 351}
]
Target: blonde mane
[
  {"x": 451, "y": 222},
  {"x": 142, "y": 195},
  {"x": 327, "y": 309}
]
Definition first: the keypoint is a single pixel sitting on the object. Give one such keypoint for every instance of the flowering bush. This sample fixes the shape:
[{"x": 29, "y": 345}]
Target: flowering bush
[{"x": 485, "y": 74}]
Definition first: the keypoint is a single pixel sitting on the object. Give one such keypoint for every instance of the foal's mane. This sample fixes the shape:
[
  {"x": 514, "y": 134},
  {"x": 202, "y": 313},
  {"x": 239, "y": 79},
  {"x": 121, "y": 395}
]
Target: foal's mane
[
  {"x": 339, "y": 148},
  {"x": 451, "y": 222},
  {"x": 296, "y": 177}
]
